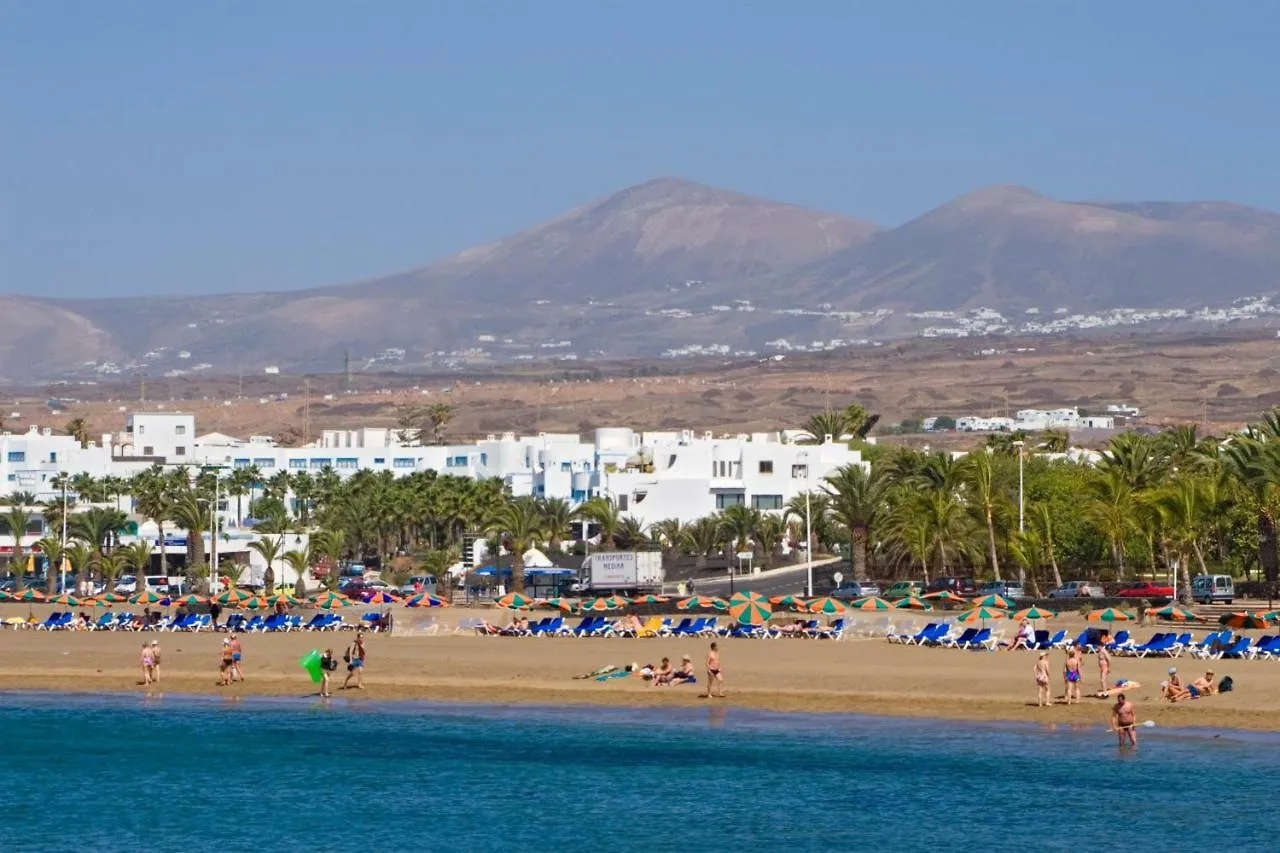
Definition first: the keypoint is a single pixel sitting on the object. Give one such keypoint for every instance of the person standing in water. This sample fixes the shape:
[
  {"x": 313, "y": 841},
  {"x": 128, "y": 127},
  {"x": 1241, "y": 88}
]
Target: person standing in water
[
  {"x": 1043, "y": 697},
  {"x": 155, "y": 661},
  {"x": 1124, "y": 721},
  {"x": 714, "y": 675}
]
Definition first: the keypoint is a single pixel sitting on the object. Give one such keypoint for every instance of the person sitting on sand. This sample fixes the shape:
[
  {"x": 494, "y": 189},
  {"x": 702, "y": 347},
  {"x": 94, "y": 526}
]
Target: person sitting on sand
[
  {"x": 1172, "y": 689},
  {"x": 685, "y": 672},
  {"x": 1203, "y": 685},
  {"x": 662, "y": 675}
]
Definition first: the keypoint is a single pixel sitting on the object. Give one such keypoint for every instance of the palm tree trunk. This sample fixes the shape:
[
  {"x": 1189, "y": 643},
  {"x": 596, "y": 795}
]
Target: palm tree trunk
[
  {"x": 517, "y": 572},
  {"x": 1053, "y": 563},
  {"x": 1184, "y": 594},
  {"x": 857, "y": 553},
  {"x": 991, "y": 544},
  {"x": 1268, "y": 559}
]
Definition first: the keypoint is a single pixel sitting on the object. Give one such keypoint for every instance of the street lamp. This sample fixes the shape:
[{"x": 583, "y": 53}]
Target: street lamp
[
  {"x": 63, "y": 555},
  {"x": 1018, "y": 444},
  {"x": 808, "y": 522}
]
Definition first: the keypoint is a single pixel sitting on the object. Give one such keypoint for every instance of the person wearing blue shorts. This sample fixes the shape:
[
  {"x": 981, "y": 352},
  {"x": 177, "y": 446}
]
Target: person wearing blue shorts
[{"x": 355, "y": 662}]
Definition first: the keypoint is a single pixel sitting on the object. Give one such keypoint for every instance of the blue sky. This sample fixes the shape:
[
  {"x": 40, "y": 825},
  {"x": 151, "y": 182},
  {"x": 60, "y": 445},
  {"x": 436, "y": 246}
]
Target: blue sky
[{"x": 161, "y": 147}]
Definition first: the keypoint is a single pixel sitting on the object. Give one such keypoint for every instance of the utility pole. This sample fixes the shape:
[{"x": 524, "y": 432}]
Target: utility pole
[{"x": 306, "y": 411}]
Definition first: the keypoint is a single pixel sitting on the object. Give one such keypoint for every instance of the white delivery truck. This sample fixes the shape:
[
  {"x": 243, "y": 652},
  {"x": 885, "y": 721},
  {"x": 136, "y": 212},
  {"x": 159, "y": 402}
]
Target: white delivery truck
[{"x": 622, "y": 572}]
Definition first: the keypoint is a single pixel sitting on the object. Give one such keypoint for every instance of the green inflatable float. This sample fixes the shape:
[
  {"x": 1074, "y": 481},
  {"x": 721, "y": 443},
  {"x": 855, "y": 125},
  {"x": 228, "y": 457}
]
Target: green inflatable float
[{"x": 311, "y": 663}]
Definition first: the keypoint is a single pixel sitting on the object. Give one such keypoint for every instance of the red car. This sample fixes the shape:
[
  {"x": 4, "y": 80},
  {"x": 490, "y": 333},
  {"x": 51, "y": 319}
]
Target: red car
[{"x": 1146, "y": 589}]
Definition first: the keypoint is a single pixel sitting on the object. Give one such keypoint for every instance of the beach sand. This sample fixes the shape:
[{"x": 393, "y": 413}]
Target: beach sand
[{"x": 853, "y": 675}]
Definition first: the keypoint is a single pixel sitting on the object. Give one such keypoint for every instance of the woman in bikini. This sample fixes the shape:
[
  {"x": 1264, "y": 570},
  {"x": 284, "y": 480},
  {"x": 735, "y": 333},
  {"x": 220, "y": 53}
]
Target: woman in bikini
[
  {"x": 1104, "y": 660},
  {"x": 1071, "y": 675},
  {"x": 147, "y": 663},
  {"x": 1043, "y": 697}
]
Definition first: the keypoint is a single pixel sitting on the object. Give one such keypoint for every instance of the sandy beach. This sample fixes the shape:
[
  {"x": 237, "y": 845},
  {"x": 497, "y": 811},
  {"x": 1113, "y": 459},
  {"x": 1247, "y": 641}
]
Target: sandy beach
[{"x": 852, "y": 675}]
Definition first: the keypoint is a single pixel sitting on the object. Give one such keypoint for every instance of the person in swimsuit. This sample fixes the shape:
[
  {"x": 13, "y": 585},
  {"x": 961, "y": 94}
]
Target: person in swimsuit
[
  {"x": 1204, "y": 684},
  {"x": 1043, "y": 697},
  {"x": 155, "y": 661},
  {"x": 236, "y": 655},
  {"x": 662, "y": 675},
  {"x": 1071, "y": 675},
  {"x": 327, "y": 665},
  {"x": 714, "y": 675},
  {"x": 1173, "y": 689},
  {"x": 355, "y": 663},
  {"x": 147, "y": 663},
  {"x": 224, "y": 663},
  {"x": 685, "y": 672},
  {"x": 1104, "y": 660},
  {"x": 1123, "y": 721}
]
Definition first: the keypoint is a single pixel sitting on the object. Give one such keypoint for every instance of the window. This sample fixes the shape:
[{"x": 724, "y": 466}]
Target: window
[
  {"x": 240, "y": 463},
  {"x": 318, "y": 463},
  {"x": 379, "y": 460},
  {"x": 404, "y": 462},
  {"x": 148, "y": 450},
  {"x": 766, "y": 466},
  {"x": 564, "y": 466},
  {"x": 640, "y": 496},
  {"x": 13, "y": 478},
  {"x": 484, "y": 458},
  {"x": 456, "y": 462},
  {"x": 799, "y": 472},
  {"x": 17, "y": 456},
  {"x": 724, "y": 500},
  {"x": 142, "y": 428},
  {"x": 53, "y": 457},
  {"x": 622, "y": 503},
  {"x": 180, "y": 429},
  {"x": 297, "y": 463},
  {"x": 348, "y": 462},
  {"x": 265, "y": 462},
  {"x": 577, "y": 495},
  {"x": 766, "y": 501},
  {"x": 179, "y": 451}
]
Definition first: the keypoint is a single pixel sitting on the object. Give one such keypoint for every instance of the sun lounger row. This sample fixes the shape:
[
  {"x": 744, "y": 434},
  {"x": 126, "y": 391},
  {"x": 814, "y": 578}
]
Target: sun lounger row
[
  {"x": 946, "y": 635},
  {"x": 600, "y": 626},
  {"x": 198, "y": 622}
]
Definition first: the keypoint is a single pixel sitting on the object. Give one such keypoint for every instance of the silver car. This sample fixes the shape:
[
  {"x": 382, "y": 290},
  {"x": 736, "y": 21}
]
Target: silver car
[{"x": 1078, "y": 589}]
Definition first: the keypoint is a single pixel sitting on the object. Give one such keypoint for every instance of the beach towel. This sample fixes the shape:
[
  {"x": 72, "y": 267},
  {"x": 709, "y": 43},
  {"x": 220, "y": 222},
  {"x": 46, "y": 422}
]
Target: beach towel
[
  {"x": 612, "y": 675},
  {"x": 604, "y": 670}
]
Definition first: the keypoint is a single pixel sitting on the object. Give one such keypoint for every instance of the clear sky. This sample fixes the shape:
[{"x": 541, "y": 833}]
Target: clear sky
[{"x": 194, "y": 147}]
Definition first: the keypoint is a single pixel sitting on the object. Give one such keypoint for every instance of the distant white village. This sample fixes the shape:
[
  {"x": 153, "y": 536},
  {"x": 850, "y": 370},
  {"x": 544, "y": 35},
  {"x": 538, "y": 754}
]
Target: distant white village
[{"x": 1036, "y": 420}]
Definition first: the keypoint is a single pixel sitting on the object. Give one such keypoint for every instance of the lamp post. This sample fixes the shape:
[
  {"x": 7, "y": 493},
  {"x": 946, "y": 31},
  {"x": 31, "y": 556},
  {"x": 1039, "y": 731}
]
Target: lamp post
[
  {"x": 63, "y": 554},
  {"x": 808, "y": 523},
  {"x": 1019, "y": 444}
]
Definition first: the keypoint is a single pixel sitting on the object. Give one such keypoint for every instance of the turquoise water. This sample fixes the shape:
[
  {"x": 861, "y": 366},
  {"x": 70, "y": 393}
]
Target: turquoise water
[{"x": 192, "y": 774}]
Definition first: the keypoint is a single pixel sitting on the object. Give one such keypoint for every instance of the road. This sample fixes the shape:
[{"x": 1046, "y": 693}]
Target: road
[{"x": 785, "y": 581}]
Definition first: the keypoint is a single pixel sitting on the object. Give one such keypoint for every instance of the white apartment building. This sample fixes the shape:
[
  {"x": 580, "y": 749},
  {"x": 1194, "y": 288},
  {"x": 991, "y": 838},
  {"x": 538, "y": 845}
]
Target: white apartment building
[{"x": 649, "y": 475}]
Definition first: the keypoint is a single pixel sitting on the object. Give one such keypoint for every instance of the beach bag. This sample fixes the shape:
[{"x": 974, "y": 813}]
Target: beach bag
[
  {"x": 1226, "y": 684},
  {"x": 346, "y": 656}
]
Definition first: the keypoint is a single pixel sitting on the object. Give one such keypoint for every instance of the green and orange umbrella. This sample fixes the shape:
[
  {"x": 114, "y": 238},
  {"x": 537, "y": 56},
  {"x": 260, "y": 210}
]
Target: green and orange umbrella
[
  {"x": 1173, "y": 613},
  {"x": 696, "y": 602},
  {"x": 795, "y": 602},
  {"x": 826, "y": 605},
  {"x": 67, "y": 599},
  {"x": 5, "y": 595},
  {"x": 111, "y": 598},
  {"x": 600, "y": 605},
  {"x": 29, "y": 595},
  {"x": 994, "y": 600},
  {"x": 752, "y": 609},
  {"x": 982, "y": 613},
  {"x": 945, "y": 596},
  {"x": 515, "y": 601},
  {"x": 330, "y": 601},
  {"x": 256, "y": 602},
  {"x": 1108, "y": 614},
  {"x": 426, "y": 599},
  {"x": 1242, "y": 619},
  {"x": 146, "y": 596},
  {"x": 190, "y": 600},
  {"x": 233, "y": 598},
  {"x": 912, "y": 602},
  {"x": 289, "y": 600},
  {"x": 870, "y": 602},
  {"x": 1033, "y": 613},
  {"x": 652, "y": 599}
]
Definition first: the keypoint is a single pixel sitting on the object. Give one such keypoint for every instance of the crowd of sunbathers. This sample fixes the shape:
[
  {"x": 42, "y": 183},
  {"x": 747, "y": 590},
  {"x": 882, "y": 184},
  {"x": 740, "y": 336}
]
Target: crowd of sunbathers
[{"x": 1174, "y": 690}]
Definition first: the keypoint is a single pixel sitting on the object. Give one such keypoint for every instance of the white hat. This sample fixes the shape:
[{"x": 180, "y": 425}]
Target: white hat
[{"x": 1172, "y": 670}]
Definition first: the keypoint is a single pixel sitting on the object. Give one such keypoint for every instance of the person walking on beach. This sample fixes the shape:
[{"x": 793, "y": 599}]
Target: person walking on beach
[
  {"x": 1104, "y": 660},
  {"x": 1043, "y": 697},
  {"x": 155, "y": 661},
  {"x": 1124, "y": 721},
  {"x": 1071, "y": 675},
  {"x": 146, "y": 662},
  {"x": 327, "y": 665},
  {"x": 236, "y": 654},
  {"x": 355, "y": 662},
  {"x": 224, "y": 663},
  {"x": 215, "y": 610},
  {"x": 714, "y": 675}
]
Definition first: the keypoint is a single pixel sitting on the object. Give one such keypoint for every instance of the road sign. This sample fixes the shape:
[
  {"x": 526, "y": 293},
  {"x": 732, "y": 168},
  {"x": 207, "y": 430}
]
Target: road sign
[
  {"x": 745, "y": 555},
  {"x": 837, "y": 577}
]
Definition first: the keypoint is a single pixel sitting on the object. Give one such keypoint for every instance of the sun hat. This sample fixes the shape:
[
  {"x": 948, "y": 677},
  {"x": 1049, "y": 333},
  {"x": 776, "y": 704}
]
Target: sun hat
[
  {"x": 1044, "y": 654},
  {"x": 225, "y": 641},
  {"x": 1172, "y": 670},
  {"x": 686, "y": 657}
]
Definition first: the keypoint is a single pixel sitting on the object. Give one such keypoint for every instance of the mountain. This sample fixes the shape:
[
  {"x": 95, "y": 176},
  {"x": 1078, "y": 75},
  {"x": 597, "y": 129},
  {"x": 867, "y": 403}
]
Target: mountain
[
  {"x": 672, "y": 265},
  {"x": 1010, "y": 248}
]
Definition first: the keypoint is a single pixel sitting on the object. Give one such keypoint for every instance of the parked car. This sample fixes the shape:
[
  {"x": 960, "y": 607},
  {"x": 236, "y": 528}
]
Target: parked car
[
  {"x": 1078, "y": 589},
  {"x": 902, "y": 589},
  {"x": 357, "y": 589},
  {"x": 126, "y": 585},
  {"x": 1145, "y": 589},
  {"x": 1009, "y": 589},
  {"x": 850, "y": 590},
  {"x": 428, "y": 583},
  {"x": 960, "y": 586},
  {"x": 1210, "y": 589}
]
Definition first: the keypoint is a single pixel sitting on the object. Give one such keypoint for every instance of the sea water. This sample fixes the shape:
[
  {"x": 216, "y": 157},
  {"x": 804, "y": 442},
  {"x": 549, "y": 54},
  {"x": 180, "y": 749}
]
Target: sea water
[{"x": 173, "y": 773}]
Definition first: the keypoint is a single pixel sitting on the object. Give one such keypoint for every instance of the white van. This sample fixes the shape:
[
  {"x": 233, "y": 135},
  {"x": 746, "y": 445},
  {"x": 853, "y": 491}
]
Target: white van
[{"x": 1211, "y": 589}]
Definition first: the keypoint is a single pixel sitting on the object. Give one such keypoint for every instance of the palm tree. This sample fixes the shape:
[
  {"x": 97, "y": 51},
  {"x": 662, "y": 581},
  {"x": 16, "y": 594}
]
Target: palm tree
[
  {"x": 519, "y": 524},
  {"x": 78, "y": 428},
  {"x": 270, "y": 550},
  {"x": 1041, "y": 519},
  {"x": 1115, "y": 512},
  {"x": 980, "y": 475},
  {"x": 812, "y": 510},
  {"x": 1054, "y": 441},
  {"x": 110, "y": 567},
  {"x": 857, "y": 499},
  {"x": 51, "y": 549},
  {"x": 631, "y": 534},
  {"x": 153, "y": 499},
  {"x": 19, "y": 499},
  {"x": 191, "y": 513},
  {"x": 1181, "y": 506},
  {"x": 1254, "y": 463},
  {"x": 17, "y": 519},
  {"x": 603, "y": 513},
  {"x": 669, "y": 533},
  {"x": 738, "y": 524},
  {"x": 1135, "y": 458},
  {"x": 557, "y": 516},
  {"x": 702, "y": 537},
  {"x": 300, "y": 562},
  {"x": 769, "y": 532},
  {"x": 438, "y": 416},
  {"x": 137, "y": 556},
  {"x": 239, "y": 484},
  {"x": 99, "y": 526},
  {"x": 81, "y": 557}
]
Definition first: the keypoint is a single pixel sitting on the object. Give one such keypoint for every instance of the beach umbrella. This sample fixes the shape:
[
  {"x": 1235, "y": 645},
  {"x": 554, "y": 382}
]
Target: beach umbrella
[
  {"x": 190, "y": 600},
  {"x": 1108, "y": 614},
  {"x": 233, "y": 598},
  {"x": 5, "y": 595},
  {"x": 826, "y": 605},
  {"x": 945, "y": 596},
  {"x": 66, "y": 598},
  {"x": 255, "y": 602},
  {"x": 793, "y": 601},
  {"x": 287, "y": 598},
  {"x": 515, "y": 601},
  {"x": 598, "y": 605},
  {"x": 870, "y": 602},
  {"x": 1273, "y": 616},
  {"x": 330, "y": 601},
  {"x": 747, "y": 595},
  {"x": 1242, "y": 619},
  {"x": 911, "y": 602},
  {"x": 146, "y": 596},
  {"x": 379, "y": 597},
  {"x": 750, "y": 610},
  {"x": 1032, "y": 613},
  {"x": 652, "y": 599},
  {"x": 111, "y": 598},
  {"x": 695, "y": 602},
  {"x": 29, "y": 595},
  {"x": 1173, "y": 613},
  {"x": 982, "y": 613},
  {"x": 95, "y": 601},
  {"x": 994, "y": 600},
  {"x": 426, "y": 599}
]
